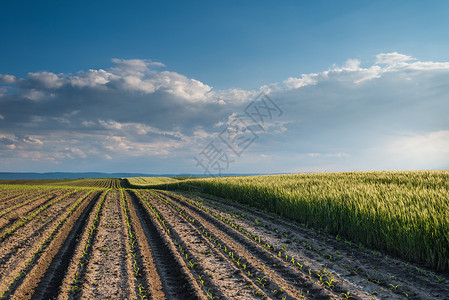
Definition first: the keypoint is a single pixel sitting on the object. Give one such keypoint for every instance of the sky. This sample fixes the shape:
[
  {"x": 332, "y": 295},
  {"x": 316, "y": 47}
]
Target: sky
[{"x": 222, "y": 87}]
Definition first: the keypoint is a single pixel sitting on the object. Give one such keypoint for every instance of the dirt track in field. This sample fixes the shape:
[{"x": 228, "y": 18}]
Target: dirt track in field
[{"x": 131, "y": 244}]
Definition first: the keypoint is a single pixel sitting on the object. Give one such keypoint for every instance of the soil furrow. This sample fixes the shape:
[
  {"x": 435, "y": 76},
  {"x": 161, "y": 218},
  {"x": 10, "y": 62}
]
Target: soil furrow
[
  {"x": 9, "y": 220},
  {"x": 28, "y": 216},
  {"x": 75, "y": 272},
  {"x": 141, "y": 283},
  {"x": 101, "y": 241},
  {"x": 107, "y": 274},
  {"x": 380, "y": 275},
  {"x": 176, "y": 279},
  {"x": 7, "y": 194},
  {"x": 211, "y": 265},
  {"x": 26, "y": 289},
  {"x": 281, "y": 262},
  {"x": 29, "y": 203},
  {"x": 275, "y": 267},
  {"x": 152, "y": 278},
  {"x": 26, "y": 239},
  {"x": 50, "y": 283},
  {"x": 7, "y": 200},
  {"x": 23, "y": 249}
]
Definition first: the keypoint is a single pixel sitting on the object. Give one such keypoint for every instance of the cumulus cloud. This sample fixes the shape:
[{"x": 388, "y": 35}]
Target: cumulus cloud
[
  {"x": 92, "y": 78},
  {"x": 138, "y": 109},
  {"x": 306, "y": 79},
  {"x": 392, "y": 58},
  {"x": 133, "y": 75},
  {"x": 8, "y": 79},
  {"x": 45, "y": 80}
]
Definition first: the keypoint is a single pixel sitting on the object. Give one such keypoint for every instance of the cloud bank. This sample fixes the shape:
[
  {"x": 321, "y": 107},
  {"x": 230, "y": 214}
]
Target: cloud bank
[{"x": 138, "y": 116}]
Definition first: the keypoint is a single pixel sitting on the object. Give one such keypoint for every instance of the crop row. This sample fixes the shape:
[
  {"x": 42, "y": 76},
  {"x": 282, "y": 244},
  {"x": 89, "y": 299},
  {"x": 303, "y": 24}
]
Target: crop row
[
  {"x": 30, "y": 263},
  {"x": 141, "y": 288},
  {"x": 102, "y": 183},
  {"x": 252, "y": 273},
  {"x": 255, "y": 273},
  {"x": 27, "y": 218},
  {"x": 23, "y": 203},
  {"x": 188, "y": 258},
  {"x": 323, "y": 276},
  {"x": 84, "y": 259},
  {"x": 280, "y": 252},
  {"x": 400, "y": 212}
]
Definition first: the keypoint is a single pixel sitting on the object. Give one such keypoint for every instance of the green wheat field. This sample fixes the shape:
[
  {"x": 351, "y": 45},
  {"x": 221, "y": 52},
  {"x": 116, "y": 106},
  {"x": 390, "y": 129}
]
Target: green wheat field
[{"x": 405, "y": 213}]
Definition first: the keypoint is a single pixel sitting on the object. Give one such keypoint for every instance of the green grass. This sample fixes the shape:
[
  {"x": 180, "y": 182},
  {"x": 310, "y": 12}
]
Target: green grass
[
  {"x": 406, "y": 213},
  {"x": 150, "y": 181},
  {"x": 34, "y": 181}
]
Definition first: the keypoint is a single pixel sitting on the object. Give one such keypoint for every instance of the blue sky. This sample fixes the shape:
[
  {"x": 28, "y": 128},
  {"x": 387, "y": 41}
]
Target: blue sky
[{"x": 144, "y": 87}]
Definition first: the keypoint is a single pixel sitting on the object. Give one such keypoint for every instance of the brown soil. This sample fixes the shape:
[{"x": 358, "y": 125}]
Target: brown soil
[
  {"x": 20, "y": 246},
  {"x": 163, "y": 245},
  {"x": 14, "y": 213},
  {"x": 177, "y": 281},
  {"x": 204, "y": 260},
  {"x": 26, "y": 287},
  {"x": 107, "y": 274},
  {"x": 6, "y": 197},
  {"x": 17, "y": 200},
  {"x": 373, "y": 272}
]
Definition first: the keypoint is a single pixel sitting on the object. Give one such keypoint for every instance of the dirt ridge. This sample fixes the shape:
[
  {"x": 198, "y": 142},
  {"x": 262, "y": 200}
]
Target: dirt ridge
[
  {"x": 31, "y": 282},
  {"x": 175, "y": 278}
]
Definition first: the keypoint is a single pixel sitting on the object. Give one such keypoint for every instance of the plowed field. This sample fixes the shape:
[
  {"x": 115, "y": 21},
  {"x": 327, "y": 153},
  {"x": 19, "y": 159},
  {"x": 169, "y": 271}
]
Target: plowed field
[{"x": 104, "y": 241}]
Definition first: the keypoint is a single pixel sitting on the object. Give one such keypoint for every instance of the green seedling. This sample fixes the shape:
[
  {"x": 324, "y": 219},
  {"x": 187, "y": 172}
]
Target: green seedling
[{"x": 347, "y": 295}]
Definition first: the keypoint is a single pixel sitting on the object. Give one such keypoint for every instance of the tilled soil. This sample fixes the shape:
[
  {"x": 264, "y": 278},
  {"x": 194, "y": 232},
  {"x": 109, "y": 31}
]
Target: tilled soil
[
  {"x": 108, "y": 275},
  {"x": 146, "y": 244},
  {"x": 360, "y": 269},
  {"x": 18, "y": 248}
]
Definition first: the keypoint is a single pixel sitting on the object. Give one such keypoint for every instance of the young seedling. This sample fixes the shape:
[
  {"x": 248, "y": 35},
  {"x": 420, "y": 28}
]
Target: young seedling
[{"x": 347, "y": 295}]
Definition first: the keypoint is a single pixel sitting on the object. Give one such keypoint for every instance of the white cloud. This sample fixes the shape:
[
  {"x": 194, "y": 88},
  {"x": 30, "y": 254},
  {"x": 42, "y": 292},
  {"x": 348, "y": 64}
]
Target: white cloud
[
  {"x": 47, "y": 79},
  {"x": 8, "y": 79},
  {"x": 61, "y": 120},
  {"x": 138, "y": 128},
  {"x": 92, "y": 78},
  {"x": 135, "y": 83},
  {"x": 421, "y": 149},
  {"x": 35, "y": 95},
  {"x": 88, "y": 123},
  {"x": 135, "y": 75},
  {"x": 352, "y": 64},
  {"x": 75, "y": 152},
  {"x": 181, "y": 86},
  {"x": 31, "y": 140},
  {"x": 133, "y": 66},
  {"x": 127, "y": 145},
  {"x": 110, "y": 124},
  {"x": 428, "y": 66},
  {"x": 136, "y": 110},
  {"x": 352, "y": 72},
  {"x": 306, "y": 79},
  {"x": 392, "y": 58}
]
